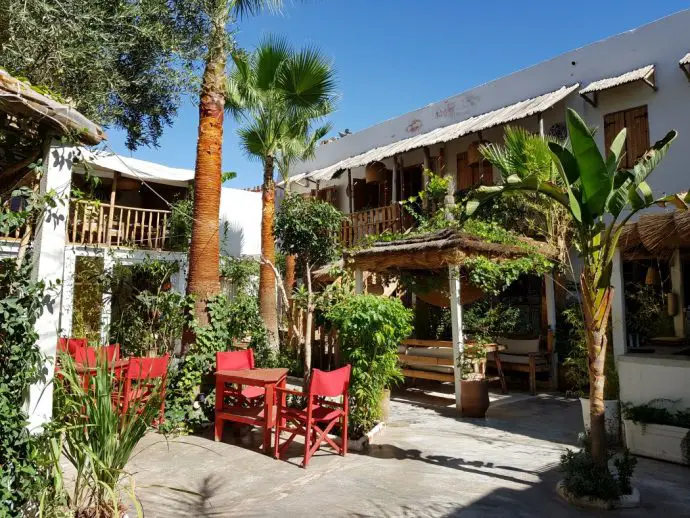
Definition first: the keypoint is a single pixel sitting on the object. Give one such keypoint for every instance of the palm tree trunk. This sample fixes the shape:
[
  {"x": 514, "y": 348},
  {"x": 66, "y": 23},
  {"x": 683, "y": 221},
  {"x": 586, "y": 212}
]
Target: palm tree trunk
[
  {"x": 267, "y": 281},
  {"x": 308, "y": 326},
  {"x": 596, "y": 306},
  {"x": 204, "y": 277},
  {"x": 289, "y": 274}
]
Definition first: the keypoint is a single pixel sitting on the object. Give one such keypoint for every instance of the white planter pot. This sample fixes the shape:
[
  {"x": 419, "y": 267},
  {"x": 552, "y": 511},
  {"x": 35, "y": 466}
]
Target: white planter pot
[
  {"x": 612, "y": 415},
  {"x": 658, "y": 441}
]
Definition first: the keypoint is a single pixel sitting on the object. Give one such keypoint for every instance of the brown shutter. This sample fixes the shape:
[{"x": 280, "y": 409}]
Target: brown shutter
[
  {"x": 464, "y": 174},
  {"x": 613, "y": 124},
  {"x": 638, "y": 133}
]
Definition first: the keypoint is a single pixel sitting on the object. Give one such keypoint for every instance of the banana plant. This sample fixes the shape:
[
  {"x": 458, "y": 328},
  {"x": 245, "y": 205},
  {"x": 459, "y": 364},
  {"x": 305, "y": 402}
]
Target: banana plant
[{"x": 600, "y": 197}]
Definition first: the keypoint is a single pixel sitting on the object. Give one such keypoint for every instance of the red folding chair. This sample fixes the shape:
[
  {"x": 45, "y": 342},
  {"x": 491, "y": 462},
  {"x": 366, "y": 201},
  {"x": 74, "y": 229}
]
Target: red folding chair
[
  {"x": 238, "y": 360},
  {"x": 140, "y": 382},
  {"x": 320, "y": 415},
  {"x": 89, "y": 355},
  {"x": 71, "y": 345}
]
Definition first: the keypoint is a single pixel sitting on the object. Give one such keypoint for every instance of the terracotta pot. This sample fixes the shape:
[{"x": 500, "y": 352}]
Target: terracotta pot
[{"x": 475, "y": 398}]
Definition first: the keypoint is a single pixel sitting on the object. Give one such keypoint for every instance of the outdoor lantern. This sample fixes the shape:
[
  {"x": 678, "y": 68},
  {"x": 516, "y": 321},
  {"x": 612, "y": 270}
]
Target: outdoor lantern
[
  {"x": 375, "y": 172},
  {"x": 474, "y": 156},
  {"x": 652, "y": 276}
]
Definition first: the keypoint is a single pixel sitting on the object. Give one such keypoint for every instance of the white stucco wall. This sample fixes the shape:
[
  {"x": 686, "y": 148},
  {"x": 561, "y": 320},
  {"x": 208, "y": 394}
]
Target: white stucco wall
[
  {"x": 644, "y": 378},
  {"x": 661, "y": 43},
  {"x": 240, "y": 222}
]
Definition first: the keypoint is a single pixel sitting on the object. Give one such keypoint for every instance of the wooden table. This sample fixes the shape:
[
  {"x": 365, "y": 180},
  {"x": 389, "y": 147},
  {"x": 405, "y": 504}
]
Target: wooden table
[{"x": 257, "y": 416}]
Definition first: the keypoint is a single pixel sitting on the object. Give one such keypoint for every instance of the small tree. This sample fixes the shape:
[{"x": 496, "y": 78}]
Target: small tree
[
  {"x": 308, "y": 228},
  {"x": 600, "y": 199}
]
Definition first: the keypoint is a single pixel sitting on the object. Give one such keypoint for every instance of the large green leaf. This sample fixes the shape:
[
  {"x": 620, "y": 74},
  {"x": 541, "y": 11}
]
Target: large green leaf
[
  {"x": 569, "y": 168},
  {"x": 594, "y": 177},
  {"x": 616, "y": 152},
  {"x": 642, "y": 169}
]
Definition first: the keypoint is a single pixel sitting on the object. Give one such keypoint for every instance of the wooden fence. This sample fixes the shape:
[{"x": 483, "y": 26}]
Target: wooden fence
[{"x": 360, "y": 224}]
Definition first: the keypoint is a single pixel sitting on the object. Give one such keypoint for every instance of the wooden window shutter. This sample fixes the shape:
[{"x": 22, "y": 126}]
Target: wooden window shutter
[
  {"x": 464, "y": 174},
  {"x": 359, "y": 194},
  {"x": 637, "y": 139}
]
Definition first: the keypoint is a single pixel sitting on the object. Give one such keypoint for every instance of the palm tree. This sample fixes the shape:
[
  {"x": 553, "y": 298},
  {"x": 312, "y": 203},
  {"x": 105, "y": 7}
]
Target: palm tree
[
  {"x": 204, "y": 253},
  {"x": 277, "y": 94},
  {"x": 599, "y": 198}
]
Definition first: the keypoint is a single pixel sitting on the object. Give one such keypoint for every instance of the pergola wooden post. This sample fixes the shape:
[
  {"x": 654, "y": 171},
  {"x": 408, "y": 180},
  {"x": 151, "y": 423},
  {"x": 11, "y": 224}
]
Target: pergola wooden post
[{"x": 456, "y": 328}]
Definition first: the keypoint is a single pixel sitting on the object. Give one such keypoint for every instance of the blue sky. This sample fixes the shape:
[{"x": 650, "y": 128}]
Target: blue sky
[{"x": 393, "y": 56}]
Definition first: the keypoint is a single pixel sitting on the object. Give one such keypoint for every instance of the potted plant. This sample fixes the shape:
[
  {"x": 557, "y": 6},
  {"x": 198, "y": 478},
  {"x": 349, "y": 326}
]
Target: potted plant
[
  {"x": 577, "y": 375},
  {"x": 475, "y": 387},
  {"x": 656, "y": 430}
]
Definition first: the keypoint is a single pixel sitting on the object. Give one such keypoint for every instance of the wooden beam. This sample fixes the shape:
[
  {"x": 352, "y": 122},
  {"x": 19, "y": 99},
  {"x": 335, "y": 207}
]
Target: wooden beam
[
  {"x": 456, "y": 327},
  {"x": 593, "y": 100},
  {"x": 350, "y": 192},
  {"x": 686, "y": 70},
  {"x": 436, "y": 376},
  {"x": 111, "y": 208}
]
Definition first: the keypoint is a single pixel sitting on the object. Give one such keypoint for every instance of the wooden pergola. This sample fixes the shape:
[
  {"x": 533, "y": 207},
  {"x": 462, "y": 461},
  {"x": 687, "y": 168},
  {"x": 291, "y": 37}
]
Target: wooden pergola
[{"x": 448, "y": 248}]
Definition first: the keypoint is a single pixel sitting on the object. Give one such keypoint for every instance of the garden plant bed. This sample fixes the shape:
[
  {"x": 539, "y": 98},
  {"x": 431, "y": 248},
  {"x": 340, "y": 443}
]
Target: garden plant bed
[
  {"x": 658, "y": 441},
  {"x": 624, "y": 502}
]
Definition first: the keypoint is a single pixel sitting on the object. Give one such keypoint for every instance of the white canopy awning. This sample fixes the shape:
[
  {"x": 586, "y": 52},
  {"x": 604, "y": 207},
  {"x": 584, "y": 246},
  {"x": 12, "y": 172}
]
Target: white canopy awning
[
  {"x": 510, "y": 113},
  {"x": 645, "y": 74},
  {"x": 138, "y": 169}
]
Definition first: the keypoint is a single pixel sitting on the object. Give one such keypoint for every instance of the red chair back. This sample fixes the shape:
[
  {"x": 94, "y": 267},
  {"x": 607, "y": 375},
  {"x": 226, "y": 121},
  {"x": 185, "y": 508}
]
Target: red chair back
[
  {"x": 235, "y": 360},
  {"x": 71, "y": 345},
  {"x": 330, "y": 383},
  {"x": 89, "y": 355},
  {"x": 147, "y": 368}
]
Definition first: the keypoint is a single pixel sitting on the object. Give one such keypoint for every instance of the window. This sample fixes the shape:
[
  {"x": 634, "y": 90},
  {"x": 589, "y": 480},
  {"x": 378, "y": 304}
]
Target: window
[
  {"x": 637, "y": 141},
  {"x": 471, "y": 175},
  {"x": 329, "y": 195}
]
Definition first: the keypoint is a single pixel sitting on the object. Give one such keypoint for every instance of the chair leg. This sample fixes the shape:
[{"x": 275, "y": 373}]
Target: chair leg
[
  {"x": 343, "y": 434},
  {"x": 532, "y": 376},
  {"x": 307, "y": 446},
  {"x": 276, "y": 445},
  {"x": 219, "y": 429}
]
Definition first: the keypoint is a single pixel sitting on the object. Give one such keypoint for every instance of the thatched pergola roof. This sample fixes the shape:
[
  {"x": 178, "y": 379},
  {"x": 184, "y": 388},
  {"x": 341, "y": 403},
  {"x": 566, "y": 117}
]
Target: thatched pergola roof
[
  {"x": 18, "y": 99},
  {"x": 655, "y": 235},
  {"x": 435, "y": 250}
]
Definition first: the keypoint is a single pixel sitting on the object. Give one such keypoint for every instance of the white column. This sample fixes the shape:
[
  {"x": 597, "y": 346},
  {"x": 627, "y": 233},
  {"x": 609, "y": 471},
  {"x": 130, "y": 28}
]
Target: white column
[
  {"x": 106, "y": 306},
  {"x": 456, "y": 326},
  {"x": 67, "y": 304},
  {"x": 550, "y": 302},
  {"x": 359, "y": 282},
  {"x": 676, "y": 267},
  {"x": 48, "y": 265},
  {"x": 618, "y": 331},
  {"x": 179, "y": 279}
]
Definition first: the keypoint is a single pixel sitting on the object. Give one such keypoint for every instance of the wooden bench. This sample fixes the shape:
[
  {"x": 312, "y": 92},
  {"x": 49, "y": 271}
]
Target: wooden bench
[
  {"x": 433, "y": 360},
  {"x": 524, "y": 355}
]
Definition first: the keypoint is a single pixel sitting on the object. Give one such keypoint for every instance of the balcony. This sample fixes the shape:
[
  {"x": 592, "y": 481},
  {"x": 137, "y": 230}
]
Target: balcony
[
  {"x": 100, "y": 224},
  {"x": 375, "y": 221}
]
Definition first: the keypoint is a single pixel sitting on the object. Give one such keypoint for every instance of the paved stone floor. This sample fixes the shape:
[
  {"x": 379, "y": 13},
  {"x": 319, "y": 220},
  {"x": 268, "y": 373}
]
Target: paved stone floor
[{"x": 426, "y": 463}]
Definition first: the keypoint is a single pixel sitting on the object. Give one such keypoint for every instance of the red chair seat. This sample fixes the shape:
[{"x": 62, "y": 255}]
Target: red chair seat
[
  {"x": 253, "y": 392},
  {"x": 318, "y": 413}
]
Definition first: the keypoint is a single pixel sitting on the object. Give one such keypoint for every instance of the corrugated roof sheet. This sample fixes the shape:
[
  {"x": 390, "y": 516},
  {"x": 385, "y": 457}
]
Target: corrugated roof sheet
[
  {"x": 610, "y": 82},
  {"x": 510, "y": 113},
  {"x": 685, "y": 60}
]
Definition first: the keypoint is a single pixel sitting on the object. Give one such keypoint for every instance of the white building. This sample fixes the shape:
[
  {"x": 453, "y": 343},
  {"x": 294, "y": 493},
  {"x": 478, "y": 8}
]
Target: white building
[{"x": 639, "y": 79}]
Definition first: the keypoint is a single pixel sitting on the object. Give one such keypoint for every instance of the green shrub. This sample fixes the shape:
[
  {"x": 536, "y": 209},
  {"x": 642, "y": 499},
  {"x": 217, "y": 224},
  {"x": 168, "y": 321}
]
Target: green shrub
[
  {"x": 582, "y": 477},
  {"x": 370, "y": 329},
  {"x": 22, "y": 470}
]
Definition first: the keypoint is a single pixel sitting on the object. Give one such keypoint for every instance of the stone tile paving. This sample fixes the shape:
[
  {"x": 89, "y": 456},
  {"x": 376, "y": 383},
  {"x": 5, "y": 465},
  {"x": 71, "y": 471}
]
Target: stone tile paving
[{"x": 426, "y": 464}]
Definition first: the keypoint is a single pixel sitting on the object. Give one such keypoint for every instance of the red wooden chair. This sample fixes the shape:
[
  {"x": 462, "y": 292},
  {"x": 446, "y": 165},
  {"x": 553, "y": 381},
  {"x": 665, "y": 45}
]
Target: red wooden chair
[
  {"x": 320, "y": 415},
  {"x": 140, "y": 381},
  {"x": 237, "y": 360},
  {"x": 71, "y": 345},
  {"x": 89, "y": 355}
]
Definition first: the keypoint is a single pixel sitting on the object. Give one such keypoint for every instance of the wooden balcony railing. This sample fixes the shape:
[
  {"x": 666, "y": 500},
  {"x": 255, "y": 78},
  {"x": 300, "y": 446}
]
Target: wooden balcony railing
[
  {"x": 14, "y": 235},
  {"x": 105, "y": 225},
  {"x": 360, "y": 224}
]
